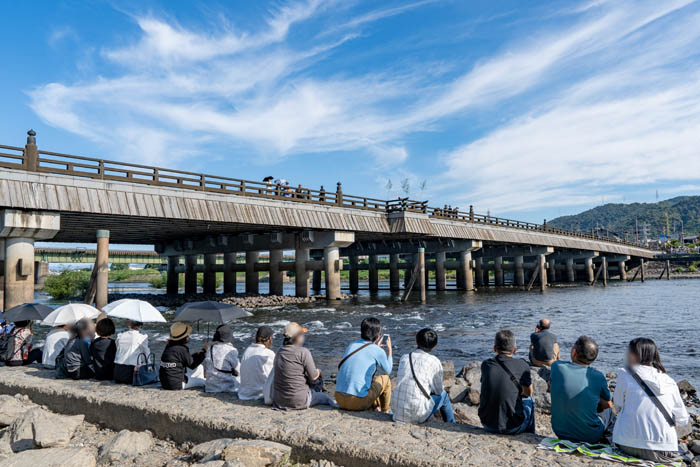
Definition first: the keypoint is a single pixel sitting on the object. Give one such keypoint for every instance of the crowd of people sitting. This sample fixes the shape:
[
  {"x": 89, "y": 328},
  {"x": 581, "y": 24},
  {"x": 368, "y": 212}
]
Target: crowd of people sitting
[{"x": 639, "y": 420}]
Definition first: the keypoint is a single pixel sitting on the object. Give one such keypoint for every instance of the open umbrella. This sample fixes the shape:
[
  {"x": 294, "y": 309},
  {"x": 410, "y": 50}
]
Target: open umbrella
[
  {"x": 27, "y": 312},
  {"x": 69, "y": 314},
  {"x": 211, "y": 312},
  {"x": 134, "y": 310}
]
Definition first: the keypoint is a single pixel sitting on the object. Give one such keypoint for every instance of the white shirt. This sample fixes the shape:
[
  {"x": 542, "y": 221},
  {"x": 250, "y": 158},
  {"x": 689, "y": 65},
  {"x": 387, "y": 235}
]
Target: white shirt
[
  {"x": 408, "y": 403},
  {"x": 130, "y": 344},
  {"x": 221, "y": 356},
  {"x": 256, "y": 365},
  {"x": 640, "y": 423},
  {"x": 55, "y": 342}
]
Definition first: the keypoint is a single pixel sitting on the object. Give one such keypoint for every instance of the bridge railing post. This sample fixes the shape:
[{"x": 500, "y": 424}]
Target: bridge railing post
[
  {"x": 339, "y": 194},
  {"x": 31, "y": 153}
]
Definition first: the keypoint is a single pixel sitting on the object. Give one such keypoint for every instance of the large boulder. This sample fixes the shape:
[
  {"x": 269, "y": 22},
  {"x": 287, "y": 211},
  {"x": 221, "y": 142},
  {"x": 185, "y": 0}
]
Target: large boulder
[
  {"x": 11, "y": 408},
  {"x": 210, "y": 451},
  {"x": 448, "y": 373},
  {"x": 472, "y": 375},
  {"x": 540, "y": 389},
  {"x": 256, "y": 453},
  {"x": 686, "y": 388},
  {"x": 467, "y": 414},
  {"x": 126, "y": 445},
  {"x": 38, "y": 428},
  {"x": 458, "y": 391},
  {"x": 52, "y": 457}
]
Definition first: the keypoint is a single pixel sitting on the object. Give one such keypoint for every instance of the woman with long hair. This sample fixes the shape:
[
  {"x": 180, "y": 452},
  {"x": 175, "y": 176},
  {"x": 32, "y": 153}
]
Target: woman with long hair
[{"x": 645, "y": 427}]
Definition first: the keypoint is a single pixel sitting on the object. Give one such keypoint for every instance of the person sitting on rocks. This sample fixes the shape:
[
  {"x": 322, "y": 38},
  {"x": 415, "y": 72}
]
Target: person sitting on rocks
[
  {"x": 505, "y": 403},
  {"x": 21, "y": 339},
  {"x": 221, "y": 365},
  {"x": 256, "y": 365},
  {"x": 176, "y": 358},
  {"x": 544, "y": 349},
  {"x": 360, "y": 385},
  {"x": 104, "y": 349},
  {"x": 78, "y": 359},
  {"x": 581, "y": 400},
  {"x": 130, "y": 344},
  {"x": 296, "y": 374},
  {"x": 644, "y": 430},
  {"x": 419, "y": 392},
  {"x": 54, "y": 343}
]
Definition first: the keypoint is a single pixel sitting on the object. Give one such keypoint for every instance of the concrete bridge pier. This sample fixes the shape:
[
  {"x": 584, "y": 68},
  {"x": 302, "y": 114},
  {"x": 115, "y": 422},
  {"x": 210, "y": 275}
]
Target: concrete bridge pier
[
  {"x": 41, "y": 272},
  {"x": 252, "y": 277},
  {"x": 570, "y": 272},
  {"x": 316, "y": 281},
  {"x": 542, "y": 264},
  {"x": 331, "y": 263},
  {"x": 519, "y": 274},
  {"x": 18, "y": 231},
  {"x": 190, "y": 274},
  {"x": 464, "y": 267},
  {"x": 230, "y": 273},
  {"x": 172, "y": 276},
  {"x": 588, "y": 268},
  {"x": 394, "y": 285},
  {"x": 209, "y": 274},
  {"x": 622, "y": 269},
  {"x": 301, "y": 274},
  {"x": 373, "y": 274},
  {"x": 552, "y": 271},
  {"x": 642, "y": 267},
  {"x": 421, "y": 281},
  {"x": 480, "y": 273},
  {"x": 354, "y": 279},
  {"x": 276, "y": 273},
  {"x": 498, "y": 271},
  {"x": 440, "y": 275}
]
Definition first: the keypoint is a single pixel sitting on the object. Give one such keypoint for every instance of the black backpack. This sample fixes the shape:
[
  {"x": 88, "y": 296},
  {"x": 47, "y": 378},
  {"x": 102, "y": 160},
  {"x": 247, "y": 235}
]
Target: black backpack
[{"x": 7, "y": 347}]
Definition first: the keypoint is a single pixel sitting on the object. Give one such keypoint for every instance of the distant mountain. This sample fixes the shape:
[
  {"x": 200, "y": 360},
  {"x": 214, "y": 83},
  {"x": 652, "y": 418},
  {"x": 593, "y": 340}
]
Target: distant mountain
[{"x": 620, "y": 218}]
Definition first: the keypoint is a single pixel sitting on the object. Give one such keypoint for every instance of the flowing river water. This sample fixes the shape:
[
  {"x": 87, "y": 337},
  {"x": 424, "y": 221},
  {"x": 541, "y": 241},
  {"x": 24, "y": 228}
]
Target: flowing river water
[{"x": 666, "y": 311}]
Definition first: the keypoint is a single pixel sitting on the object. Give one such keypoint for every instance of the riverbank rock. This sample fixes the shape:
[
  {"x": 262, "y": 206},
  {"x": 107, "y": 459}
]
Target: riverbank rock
[
  {"x": 256, "y": 453},
  {"x": 686, "y": 388},
  {"x": 472, "y": 375},
  {"x": 12, "y": 407},
  {"x": 540, "y": 388},
  {"x": 52, "y": 457},
  {"x": 37, "y": 428},
  {"x": 125, "y": 445},
  {"x": 210, "y": 451},
  {"x": 448, "y": 373}
]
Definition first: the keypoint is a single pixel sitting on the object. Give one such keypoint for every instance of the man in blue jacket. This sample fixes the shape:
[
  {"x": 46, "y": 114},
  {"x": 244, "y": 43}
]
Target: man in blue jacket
[{"x": 359, "y": 386}]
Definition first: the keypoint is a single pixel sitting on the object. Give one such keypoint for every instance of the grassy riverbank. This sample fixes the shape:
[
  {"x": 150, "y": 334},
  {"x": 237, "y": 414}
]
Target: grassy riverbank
[{"x": 71, "y": 283}]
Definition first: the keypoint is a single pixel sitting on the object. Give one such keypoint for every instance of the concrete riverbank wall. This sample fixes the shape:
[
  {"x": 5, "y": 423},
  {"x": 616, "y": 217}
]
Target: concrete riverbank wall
[{"x": 346, "y": 438}]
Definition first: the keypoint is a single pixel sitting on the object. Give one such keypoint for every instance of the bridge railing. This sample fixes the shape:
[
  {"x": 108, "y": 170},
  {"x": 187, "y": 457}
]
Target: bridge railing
[{"x": 33, "y": 159}]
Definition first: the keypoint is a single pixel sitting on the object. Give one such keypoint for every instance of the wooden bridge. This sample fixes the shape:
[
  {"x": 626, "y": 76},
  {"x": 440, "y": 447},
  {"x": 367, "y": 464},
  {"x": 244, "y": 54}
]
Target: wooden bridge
[{"x": 68, "y": 198}]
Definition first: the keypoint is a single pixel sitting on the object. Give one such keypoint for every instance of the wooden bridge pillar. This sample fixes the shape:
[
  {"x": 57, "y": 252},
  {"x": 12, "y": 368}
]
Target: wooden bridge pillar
[
  {"x": 407, "y": 273},
  {"x": 102, "y": 265},
  {"x": 440, "y": 277},
  {"x": 643, "y": 268},
  {"x": 604, "y": 265},
  {"x": 542, "y": 263},
  {"x": 570, "y": 272},
  {"x": 394, "y": 285},
  {"x": 209, "y": 276},
  {"x": 373, "y": 274},
  {"x": 421, "y": 281},
  {"x": 498, "y": 274},
  {"x": 354, "y": 275},
  {"x": 552, "y": 271},
  {"x": 480, "y": 272},
  {"x": 190, "y": 274},
  {"x": 519, "y": 273},
  {"x": 276, "y": 274},
  {"x": 588, "y": 267},
  {"x": 301, "y": 279},
  {"x": 623, "y": 270},
  {"x": 229, "y": 273},
  {"x": 331, "y": 260},
  {"x": 172, "y": 277},
  {"x": 252, "y": 278}
]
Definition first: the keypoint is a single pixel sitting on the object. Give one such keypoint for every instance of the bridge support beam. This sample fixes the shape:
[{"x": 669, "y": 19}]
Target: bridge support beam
[
  {"x": 552, "y": 271},
  {"x": 252, "y": 278},
  {"x": 172, "y": 276},
  {"x": 570, "y": 272},
  {"x": 190, "y": 274},
  {"x": 622, "y": 268},
  {"x": 542, "y": 264},
  {"x": 102, "y": 265},
  {"x": 301, "y": 275},
  {"x": 421, "y": 281},
  {"x": 209, "y": 275},
  {"x": 229, "y": 273},
  {"x": 276, "y": 274},
  {"x": 588, "y": 268},
  {"x": 440, "y": 277},
  {"x": 480, "y": 272},
  {"x": 332, "y": 266},
  {"x": 394, "y": 285},
  {"x": 643, "y": 268},
  {"x": 316, "y": 281},
  {"x": 466, "y": 275},
  {"x": 354, "y": 275},
  {"x": 519, "y": 275},
  {"x": 498, "y": 272},
  {"x": 373, "y": 274}
]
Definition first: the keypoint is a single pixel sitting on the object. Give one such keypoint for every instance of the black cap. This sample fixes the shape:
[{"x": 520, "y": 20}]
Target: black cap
[
  {"x": 223, "y": 334},
  {"x": 264, "y": 332}
]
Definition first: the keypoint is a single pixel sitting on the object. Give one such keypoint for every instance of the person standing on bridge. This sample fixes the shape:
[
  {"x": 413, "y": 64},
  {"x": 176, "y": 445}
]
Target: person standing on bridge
[
  {"x": 130, "y": 344},
  {"x": 363, "y": 373},
  {"x": 544, "y": 349}
]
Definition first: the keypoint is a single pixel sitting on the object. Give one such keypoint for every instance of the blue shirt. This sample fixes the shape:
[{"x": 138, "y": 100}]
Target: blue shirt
[
  {"x": 576, "y": 391},
  {"x": 355, "y": 376}
]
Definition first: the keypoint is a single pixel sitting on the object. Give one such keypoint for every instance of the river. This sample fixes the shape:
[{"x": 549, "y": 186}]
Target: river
[{"x": 666, "y": 311}]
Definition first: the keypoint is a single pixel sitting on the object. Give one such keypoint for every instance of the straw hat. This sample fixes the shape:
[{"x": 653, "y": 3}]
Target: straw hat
[{"x": 180, "y": 330}]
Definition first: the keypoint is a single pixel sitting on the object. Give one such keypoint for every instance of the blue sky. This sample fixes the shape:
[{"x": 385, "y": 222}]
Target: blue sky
[{"x": 525, "y": 109}]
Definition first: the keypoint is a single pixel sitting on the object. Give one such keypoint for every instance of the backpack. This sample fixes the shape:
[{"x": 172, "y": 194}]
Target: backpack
[{"x": 7, "y": 346}]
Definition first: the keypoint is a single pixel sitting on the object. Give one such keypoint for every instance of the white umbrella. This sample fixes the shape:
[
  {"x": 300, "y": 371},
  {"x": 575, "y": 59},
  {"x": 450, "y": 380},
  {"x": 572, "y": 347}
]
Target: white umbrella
[
  {"x": 134, "y": 310},
  {"x": 69, "y": 314}
]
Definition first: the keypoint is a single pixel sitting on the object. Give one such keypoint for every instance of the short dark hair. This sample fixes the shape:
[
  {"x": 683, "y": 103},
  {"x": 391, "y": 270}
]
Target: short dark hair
[
  {"x": 544, "y": 324},
  {"x": 105, "y": 327},
  {"x": 647, "y": 352},
  {"x": 370, "y": 329},
  {"x": 427, "y": 339},
  {"x": 504, "y": 341},
  {"x": 586, "y": 350},
  {"x": 22, "y": 324}
]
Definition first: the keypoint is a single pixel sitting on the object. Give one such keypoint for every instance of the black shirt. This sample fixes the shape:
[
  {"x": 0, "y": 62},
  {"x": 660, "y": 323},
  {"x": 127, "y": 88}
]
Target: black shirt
[
  {"x": 77, "y": 354},
  {"x": 103, "y": 350},
  {"x": 500, "y": 404},
  {"x": 175, "y": 359},
  {"x": 542, "y": 346}
]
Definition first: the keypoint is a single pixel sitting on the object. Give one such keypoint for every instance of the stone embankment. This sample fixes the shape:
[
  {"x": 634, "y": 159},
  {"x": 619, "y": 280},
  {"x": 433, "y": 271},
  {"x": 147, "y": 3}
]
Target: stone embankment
[{"x": 124, "y": 425}]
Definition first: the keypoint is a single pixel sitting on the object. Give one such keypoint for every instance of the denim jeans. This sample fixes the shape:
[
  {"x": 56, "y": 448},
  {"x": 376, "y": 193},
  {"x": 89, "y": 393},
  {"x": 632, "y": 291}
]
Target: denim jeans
[
  {"x": 528, "y": 425},
  {"x": 443, "y": 404}
]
